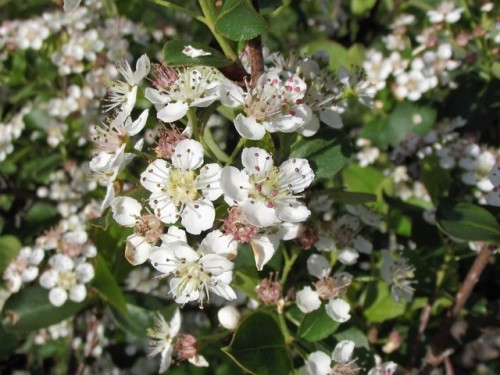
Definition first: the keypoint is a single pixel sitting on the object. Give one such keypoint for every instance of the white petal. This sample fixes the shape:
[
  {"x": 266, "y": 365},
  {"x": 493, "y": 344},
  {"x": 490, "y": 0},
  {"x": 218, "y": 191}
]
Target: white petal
[
  {"x": 293, "y": 211},
  {"x": 325, "y": 243},
  {"x": 318, "y": 266},
  {"x": 289, "y": 231},
  {"x": 156, "y": 175},
  {"x": 338, "y": 310},
  {"x": 331, "y": 118},
  {"x": 175, "y": 323},
  {"x": 137, "y": 249},
  {"x": 256, "y": 160},
  {"x": 209, "y": 181},
  {"x": 493, "y": 197},
  {"x": 156, "y": 97},
  {"x": 142, "y": 68},
  {"x": 229, "y": 317},
  {"x": 494, "y": 175},
  {"x": 174, "y": 234},
  {"x": 190, "y": 51},
  {"x": 198, "y": 361},
  {"x": 249, "y": 128},
  {"x": 224, "y": 290},
  {"x": 126, "y": 210},
  {"x": 57, "y": 296},
  {"x": 259, "y": 214},
  {"x": 318, "y": 363},
  {"x": 173, "y": 111},
  {"x": 363, "y": 245},
  {"x": 216, "y": 264},
  {"x": 235, "y": 184},
  {"x": 166, "y": 358},
  {"x": 188, "y": 155},
  {"x": 164, "y": 208},
  {"x": 136, "y": 126},
  {"x": 264, "y": 246},
  {"x": 231, "y": 95},
  {"x": 348, "y": 256},
  {"x": 343, "y": 351},
  {"x": 307, "y": 300},
  {"x": 219, "y": 243},
  {"x": 310, "y": 128},
  {"x": 198, "y": 216},
  {"x": 295, "y": 175},
  {"x": 78, "y": 293}
]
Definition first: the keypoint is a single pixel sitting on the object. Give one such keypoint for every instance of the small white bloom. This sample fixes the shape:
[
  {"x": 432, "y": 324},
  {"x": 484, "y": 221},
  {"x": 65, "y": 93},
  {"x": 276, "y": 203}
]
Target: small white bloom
[
  {"x": 343, "y": 351},
  {"x": 318, "y": 363},
  {"x": 229, "y": 317},
  {"x": 267, "y": 194},
  {"x": 162, "y": 335},
  {"x": 307, "y": 300},
  {"x": 177, "y": 190}
]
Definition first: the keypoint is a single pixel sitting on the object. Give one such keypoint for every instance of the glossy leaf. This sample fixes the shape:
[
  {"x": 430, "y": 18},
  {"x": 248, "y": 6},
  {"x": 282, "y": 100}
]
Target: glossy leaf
[
  {"x": 238, "y": 21},
  {"x": 173, "y": 56},
  {"x": 328, "y": 152},
  {"x": 9, "y": 246},
  {"x": 30, "y": 310},
  {"x": 467, "y": 221},
  {"x": 358, "y": 7},
  {"x": 41, "y": 212},
  {"x": 107, "y": 287},
  {"x": 379, "y": 305},
  {"x": 338, "y": 53},
  {"x": 317, "y": 325},
  {"x": 258, "y": 346}
]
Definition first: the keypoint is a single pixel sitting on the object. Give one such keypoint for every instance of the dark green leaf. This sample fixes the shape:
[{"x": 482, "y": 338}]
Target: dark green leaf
[
  {"x": 246, "y": 279},
  {"x": 41, "y": 212},
  {"x": 358, "y": 7},
  {"x": 347, "y": 197},
  {"x": 467, "y": 221},
  {"x": 30, "y": 309},
  {"x": 106, "y": 285},
  {"x": 379, "y": 305},
  {"x": 172, "y": 55},
  {"x": 8, "y": 343},
  {"x": 328, "y": 152},
  {"x": 9, "y": 246},
  {"x": 258, "y": 346},
  {"x": 317, "y": 325},
  {"x": 238, "y": 20},
  {"x": 436, "y": 179}
]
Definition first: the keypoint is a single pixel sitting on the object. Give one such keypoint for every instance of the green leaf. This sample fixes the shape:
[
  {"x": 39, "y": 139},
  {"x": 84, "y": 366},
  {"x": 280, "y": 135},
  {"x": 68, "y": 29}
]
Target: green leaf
[
  {"x": 8, "y": 343},
  {"x": 30, "y": 310},
  {"x": 467, "y": 221},
  {"x": 141, "y": 309},
  {"x": 9, "y": 246},
  {"x": 379, "y": 305},
  {"x": 317, "y": 325},
  {"x": 436, "y": 179},
  {"x": 409, "y": 118},
  {"x": 347, "y": 197},
  {"x": 246, "y": 279},
  {"x": 328, "y": 152},
  {"x": 238, "y": 21},
  {"x": 106, "y": 285},
  {"x": 41, "y": 212},
  {"x": 356, "y": 55},
  {"x": 258, "y": 346},
  {"x": 173, "y": 56},
  {"x": 358, "y": 7},
  {"x": 337, "y": 52}
]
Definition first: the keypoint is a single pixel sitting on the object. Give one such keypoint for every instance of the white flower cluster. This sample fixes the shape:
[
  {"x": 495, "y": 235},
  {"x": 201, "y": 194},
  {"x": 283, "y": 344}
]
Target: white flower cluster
[{"x": 10, "y": 131}]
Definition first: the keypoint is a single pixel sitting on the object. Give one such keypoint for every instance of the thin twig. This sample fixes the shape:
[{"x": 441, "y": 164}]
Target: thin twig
[
  {"x": 254, "y": 50},
  {"x": 441, "y": 347}
]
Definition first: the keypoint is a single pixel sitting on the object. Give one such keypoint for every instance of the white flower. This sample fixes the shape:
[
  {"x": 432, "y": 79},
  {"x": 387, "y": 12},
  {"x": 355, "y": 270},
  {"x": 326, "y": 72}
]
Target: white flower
[
  {"x": 193, "y": 274},
  {"x": 445, "y": 12},
  {"x": 124, "y": 94},
  {"x": 338, "y": 310},
  {"x": 24, "y": 268},
  {"x": 398, "y": 275},
  {"x": 229, "y": 317},
  {"x": 190, "y": 87},
  {"x": 318, "y": 363},
  {"x": 179, "y": 191},
  {"x": 109, "y": 138},
  {"x": 386, "y": 368},
  {"x": 267, "y": 194},
  {"x": 274, "y": 105},
  {"x": 493, "y": 196},
  {"x": 69, "y": 5},
  {"x": 162, "y": 335}
]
